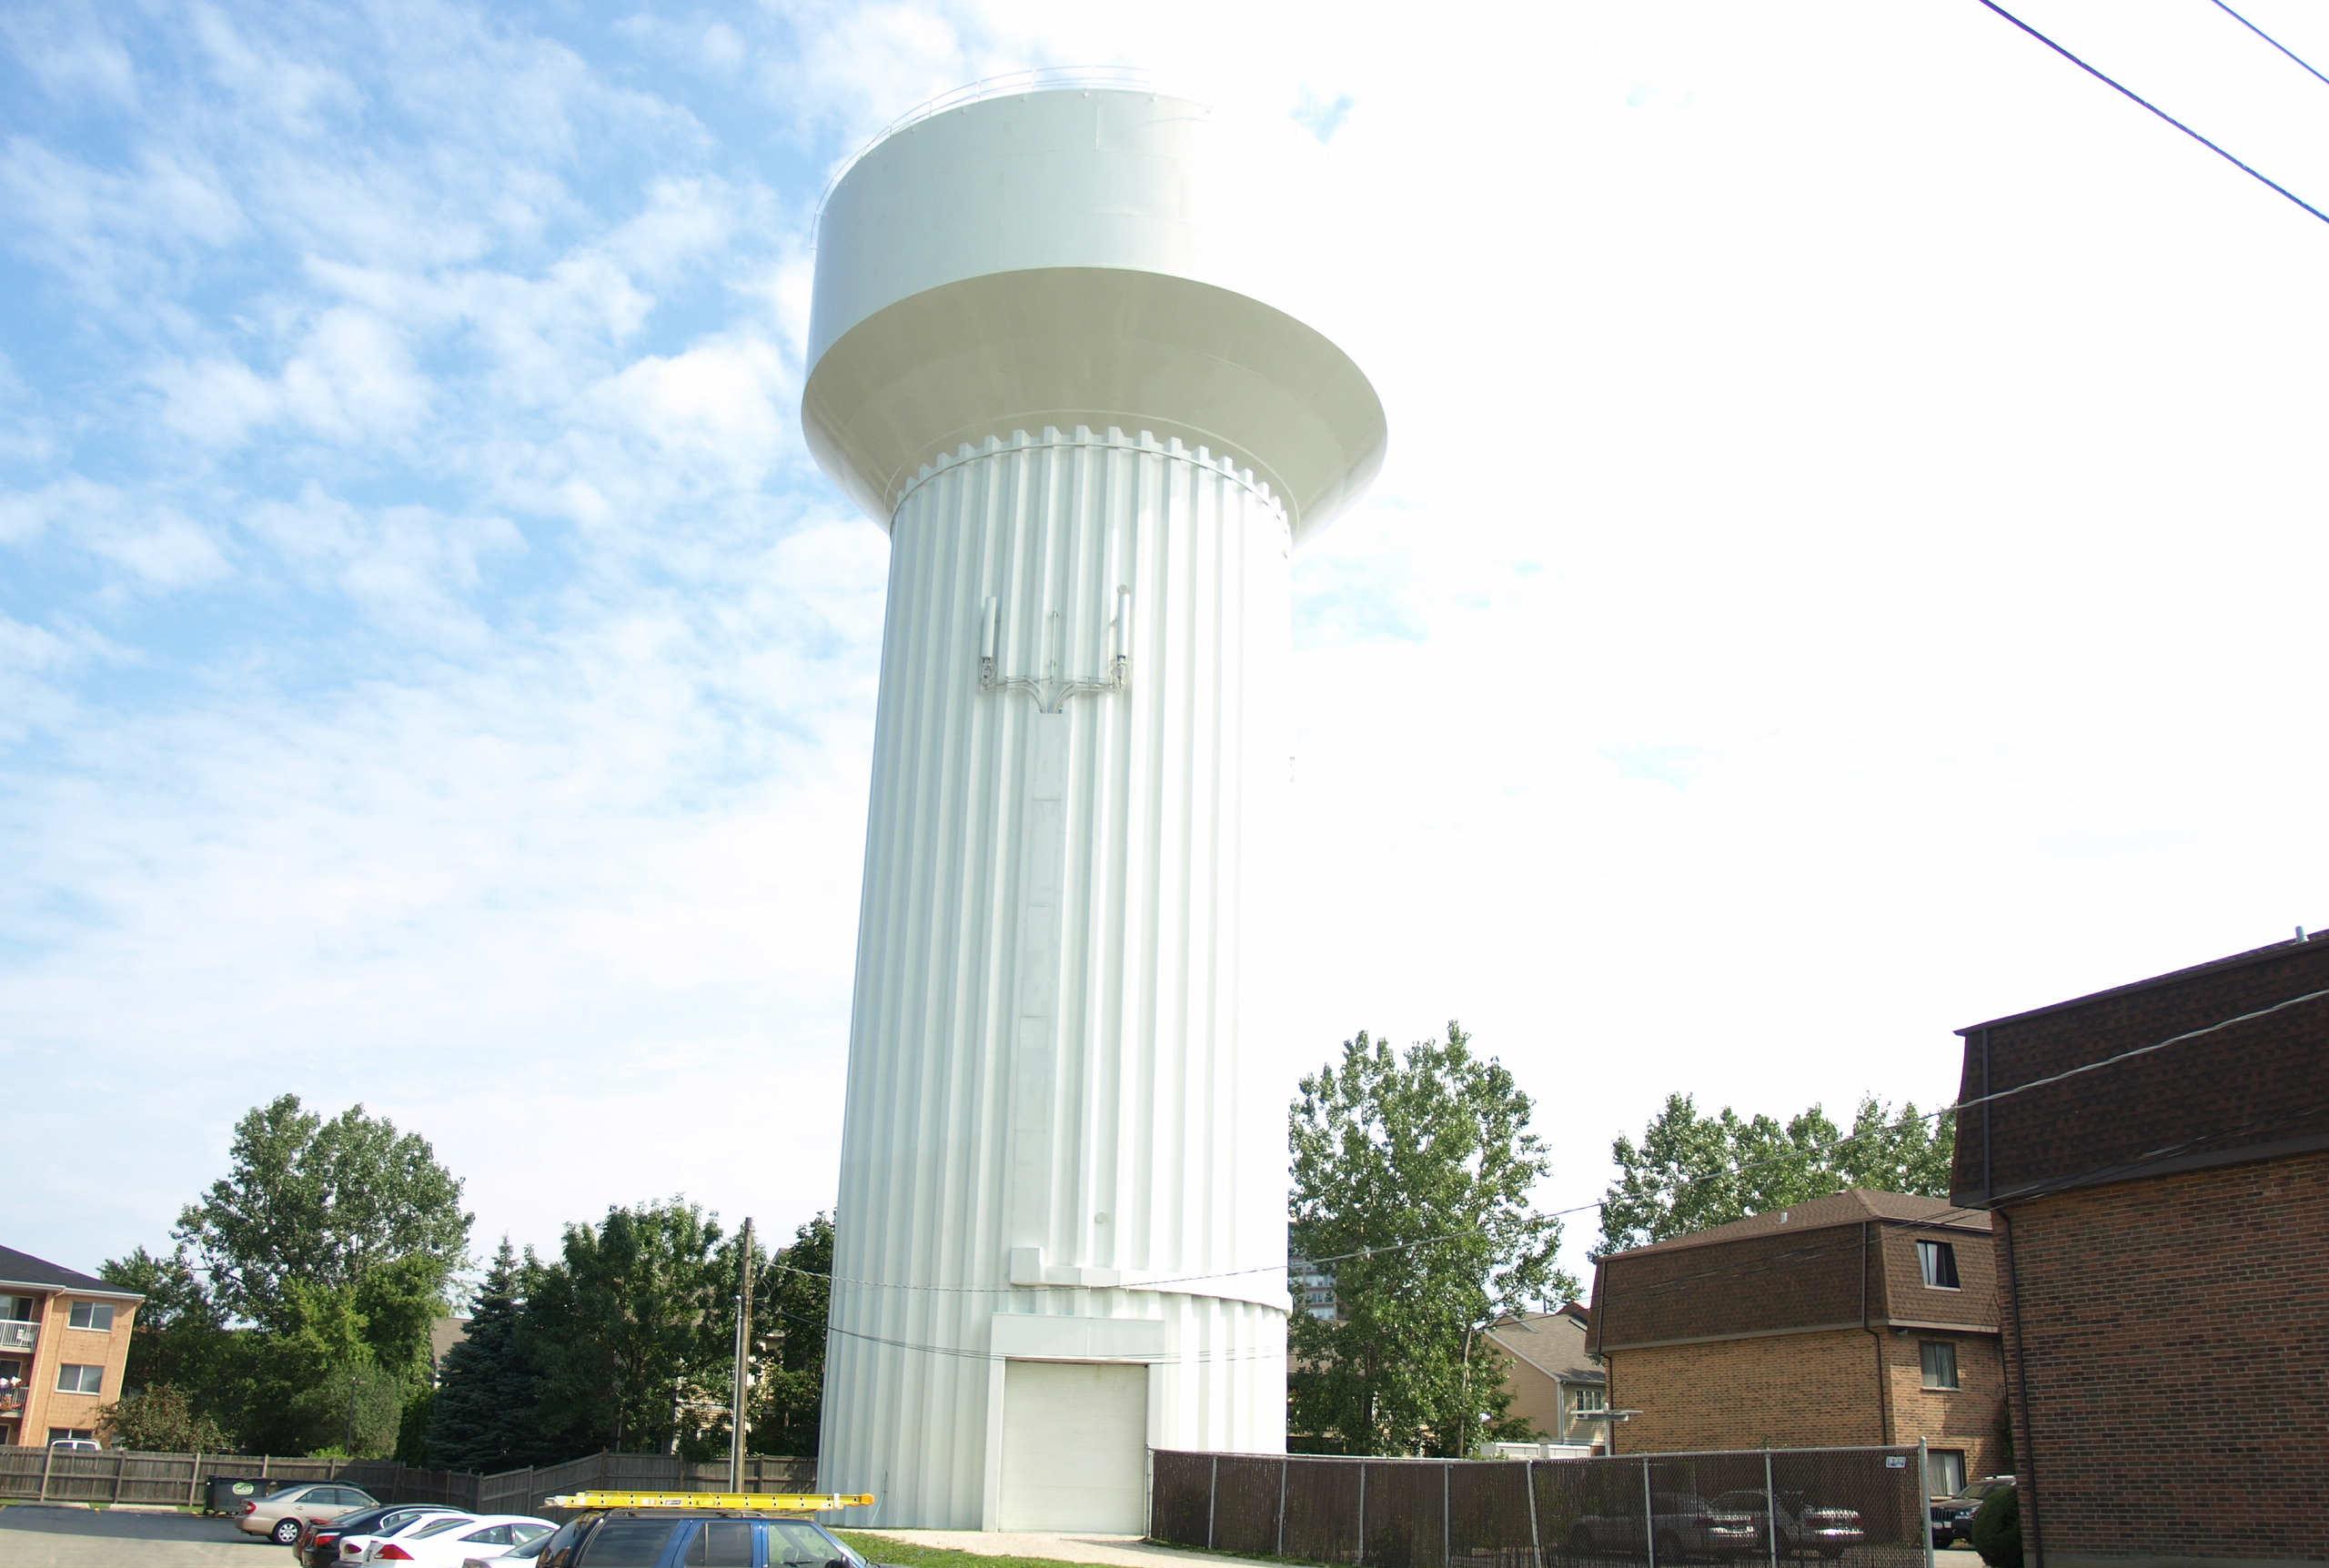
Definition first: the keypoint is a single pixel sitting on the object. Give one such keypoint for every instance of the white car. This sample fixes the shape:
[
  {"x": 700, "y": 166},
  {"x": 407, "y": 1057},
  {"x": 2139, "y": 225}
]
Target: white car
[
  {"x": 523, "y": 1553},
  {"x": 446, "y": 1542},
  {"x": 362, "y": 1548}
]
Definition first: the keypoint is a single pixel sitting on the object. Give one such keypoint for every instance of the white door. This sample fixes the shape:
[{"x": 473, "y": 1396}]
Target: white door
[{"x": 1074, "y": 1447}]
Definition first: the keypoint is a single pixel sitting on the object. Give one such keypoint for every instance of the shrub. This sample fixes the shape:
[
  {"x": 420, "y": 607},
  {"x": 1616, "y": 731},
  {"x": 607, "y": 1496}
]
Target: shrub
[{"x": 1997, "y": 1529}]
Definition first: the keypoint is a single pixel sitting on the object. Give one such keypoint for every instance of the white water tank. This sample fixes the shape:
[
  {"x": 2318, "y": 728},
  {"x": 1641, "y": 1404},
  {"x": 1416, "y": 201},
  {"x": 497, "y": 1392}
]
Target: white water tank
[{"x": 1058, "y": 347}]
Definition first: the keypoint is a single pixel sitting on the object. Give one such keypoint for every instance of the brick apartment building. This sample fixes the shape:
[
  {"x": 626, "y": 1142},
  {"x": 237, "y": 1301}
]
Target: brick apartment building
[
  {"x": 1553, "y": 1380},
  {"x": 2162, "y": 1227},
  {"x": 1862, "y": 1318},
  {"x": 64, "y": 1345}
]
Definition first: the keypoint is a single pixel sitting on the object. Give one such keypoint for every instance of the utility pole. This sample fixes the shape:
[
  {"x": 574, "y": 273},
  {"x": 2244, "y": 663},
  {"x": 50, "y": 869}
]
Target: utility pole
[{"x": 743, "y": 1349}]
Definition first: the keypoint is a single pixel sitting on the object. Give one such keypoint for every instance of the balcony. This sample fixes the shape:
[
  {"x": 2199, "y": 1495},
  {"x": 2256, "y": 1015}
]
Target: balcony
[{"x": 18, "y": 1336}]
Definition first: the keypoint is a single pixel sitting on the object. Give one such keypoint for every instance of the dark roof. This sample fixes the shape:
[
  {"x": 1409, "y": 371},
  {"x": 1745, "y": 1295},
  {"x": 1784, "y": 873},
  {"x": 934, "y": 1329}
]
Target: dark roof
[
  {"x": 1853, "y": 1206},
  {"x": 23, "y": 1269},
  {"x": 2253, "y": 956}
]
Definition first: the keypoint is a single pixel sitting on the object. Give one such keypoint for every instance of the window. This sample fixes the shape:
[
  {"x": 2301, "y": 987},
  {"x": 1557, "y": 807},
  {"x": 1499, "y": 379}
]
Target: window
[
  {"x": 73, "y": 1377},
  {"x": 798, "y": 1544},
  {"x": 491, "y": 1535},
  {"x": 72, "y": 1435},
  {"x": 627, "y": 1543},
  {"x": 1945, "y": 1472},
  {"x": 15, "y": 1308},
  {"x": 722, "y": 1543},
  {"x": 1940, "y": 1363},
  {"x": 1590, "y": 1398},
  {"x": 96, "y": 1315},
  {"x": 1939, "y": 1261}
]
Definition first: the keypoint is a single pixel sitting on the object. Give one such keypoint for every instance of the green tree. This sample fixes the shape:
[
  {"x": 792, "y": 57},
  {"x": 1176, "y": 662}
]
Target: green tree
[
  {"x": 486, "y": 1414},
  {"x": 345, "y": 1204},
  {"x": 635, "y": 1323},
  {"x": 789, "y": 1400},
  {"x": 1690, "y": 1170},
  {"x": 160, "y": 1418},
  {"x": 179, "y": 1336},
  {"x": 1422, "y": 1165}
]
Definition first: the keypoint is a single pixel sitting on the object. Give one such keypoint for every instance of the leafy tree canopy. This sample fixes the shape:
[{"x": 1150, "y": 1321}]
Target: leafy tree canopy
[
  {"x": 161, "y": 1419},
  {"x": 788, "y": 1400},
  {"x": 178, "y": 1337},
  {"x": 348, "y": 1204},
  {"x": 1691, "y": 1170},
  {"x": 1391, "y": 1150},
  {"x": 635, "y": 1321}
]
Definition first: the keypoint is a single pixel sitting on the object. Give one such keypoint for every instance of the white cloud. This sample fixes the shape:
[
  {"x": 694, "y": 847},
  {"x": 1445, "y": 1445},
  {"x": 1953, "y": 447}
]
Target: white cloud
[{"x": 153, "y": 542}]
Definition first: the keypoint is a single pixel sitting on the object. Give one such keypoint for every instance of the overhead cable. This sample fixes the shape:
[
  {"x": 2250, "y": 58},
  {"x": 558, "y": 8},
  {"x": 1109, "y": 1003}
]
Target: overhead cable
[
  {"x": 2154, "y": 109},
  {"x": 2275, "y": 42}
]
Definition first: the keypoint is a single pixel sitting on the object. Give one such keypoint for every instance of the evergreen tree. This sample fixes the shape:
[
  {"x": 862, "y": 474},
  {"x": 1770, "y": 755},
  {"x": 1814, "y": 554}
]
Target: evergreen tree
[{"x": 486, "y": 1415}]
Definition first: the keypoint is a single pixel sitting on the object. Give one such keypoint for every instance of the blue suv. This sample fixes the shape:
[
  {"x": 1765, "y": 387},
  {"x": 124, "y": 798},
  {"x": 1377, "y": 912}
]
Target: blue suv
[{"x": 694, "y": 1538}]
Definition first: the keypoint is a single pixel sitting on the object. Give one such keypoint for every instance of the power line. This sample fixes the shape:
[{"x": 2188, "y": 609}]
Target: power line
[
  {"x": 2275, "y": 42},
  {"x": 2155, "y": 109}
]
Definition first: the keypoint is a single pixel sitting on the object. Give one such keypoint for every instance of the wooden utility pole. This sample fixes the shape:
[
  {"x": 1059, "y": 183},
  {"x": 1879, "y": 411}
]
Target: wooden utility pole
[{"x": 743, "y": 1359}]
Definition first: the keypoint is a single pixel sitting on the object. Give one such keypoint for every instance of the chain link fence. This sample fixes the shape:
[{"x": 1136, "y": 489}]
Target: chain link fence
[{"x": 1862, "y": 1507}]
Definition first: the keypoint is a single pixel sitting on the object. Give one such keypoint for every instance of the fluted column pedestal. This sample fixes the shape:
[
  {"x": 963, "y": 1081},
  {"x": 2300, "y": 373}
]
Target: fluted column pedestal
[{"x": 1057, "y": 1147}]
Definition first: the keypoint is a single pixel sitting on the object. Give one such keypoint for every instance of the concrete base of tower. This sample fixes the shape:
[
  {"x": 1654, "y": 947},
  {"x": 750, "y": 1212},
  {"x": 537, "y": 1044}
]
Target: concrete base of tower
[{"x": 1049, "y": 1425}]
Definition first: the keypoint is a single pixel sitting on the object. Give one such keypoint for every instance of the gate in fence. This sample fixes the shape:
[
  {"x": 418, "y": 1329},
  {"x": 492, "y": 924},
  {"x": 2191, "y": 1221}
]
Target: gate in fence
[{"x": 1863, "y": 1507}]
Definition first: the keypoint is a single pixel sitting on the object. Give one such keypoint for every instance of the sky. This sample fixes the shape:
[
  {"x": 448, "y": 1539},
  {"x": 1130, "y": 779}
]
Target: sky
[{"x": 1847, "y": 565}]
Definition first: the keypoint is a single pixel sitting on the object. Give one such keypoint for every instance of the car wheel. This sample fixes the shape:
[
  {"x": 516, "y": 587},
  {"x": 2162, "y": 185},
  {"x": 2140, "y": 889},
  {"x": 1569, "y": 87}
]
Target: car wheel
[{"x": 286, "y": 1531}]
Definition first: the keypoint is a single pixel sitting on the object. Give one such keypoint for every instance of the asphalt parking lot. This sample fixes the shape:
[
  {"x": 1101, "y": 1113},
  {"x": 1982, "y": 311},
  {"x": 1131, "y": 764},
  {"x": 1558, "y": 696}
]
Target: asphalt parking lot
[
  {"x": 34, "y": 1536},
  {"x": 37, "y": 1536}
]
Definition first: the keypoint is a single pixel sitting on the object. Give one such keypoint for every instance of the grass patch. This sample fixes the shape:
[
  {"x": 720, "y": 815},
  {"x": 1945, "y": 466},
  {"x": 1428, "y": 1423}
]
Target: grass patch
[{"x": 879, "y": 1548}]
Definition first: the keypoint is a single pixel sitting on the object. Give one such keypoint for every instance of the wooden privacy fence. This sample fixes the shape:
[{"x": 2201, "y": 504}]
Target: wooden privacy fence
[{"x": 127, "y": 1475}]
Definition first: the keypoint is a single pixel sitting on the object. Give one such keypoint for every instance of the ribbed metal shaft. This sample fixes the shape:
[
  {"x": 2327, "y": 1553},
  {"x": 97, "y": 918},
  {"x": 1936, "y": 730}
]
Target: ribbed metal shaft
[{"x": 1061, "y": 957}]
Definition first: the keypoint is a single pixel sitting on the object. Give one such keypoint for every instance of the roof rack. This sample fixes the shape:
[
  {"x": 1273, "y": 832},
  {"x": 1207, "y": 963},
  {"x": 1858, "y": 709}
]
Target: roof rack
[{"x": 762, "y": 1501}]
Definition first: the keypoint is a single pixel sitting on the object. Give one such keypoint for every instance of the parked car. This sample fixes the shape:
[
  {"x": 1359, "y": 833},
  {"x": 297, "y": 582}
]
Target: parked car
[
  {"x": 446, "y": 1542},
  {"x": 1802, "y": 1525},
  {"x": 525, "y": 1551},
  {"x": 76, "y": 1445},
  {"x": 692, "y": 1537},
  {"x": 280, "y": 1515},
  {"x": 1680, "y": 1523},
  {"x": 1952, "y": 1517},
  {"x": 319, "y": 1543},
  {"x": 362, "y": 1546}
]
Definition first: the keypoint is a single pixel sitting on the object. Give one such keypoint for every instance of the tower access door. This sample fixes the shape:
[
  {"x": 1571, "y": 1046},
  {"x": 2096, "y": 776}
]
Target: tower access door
[{"x": 1074, "y": 1447}]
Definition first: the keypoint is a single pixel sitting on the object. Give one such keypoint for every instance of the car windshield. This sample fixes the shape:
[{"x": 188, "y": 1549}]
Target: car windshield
[{"x": 1976, "y": 1491}]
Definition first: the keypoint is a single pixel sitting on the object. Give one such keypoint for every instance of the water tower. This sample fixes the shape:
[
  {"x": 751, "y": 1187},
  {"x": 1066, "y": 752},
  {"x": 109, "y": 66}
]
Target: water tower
[{"x": 1058, "y": 348}]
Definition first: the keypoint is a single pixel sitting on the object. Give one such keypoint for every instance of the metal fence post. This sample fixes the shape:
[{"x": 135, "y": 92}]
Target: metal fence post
[
  {"x": 1917, "y": 1494},
  {"x": 1648, "y": 1518},
  {"x": 1528, "y": 1481},
  {"x": 1212, "y": 1501},
  {"x": 1362, "y": 1512},
  {"x": 1446, "y": 1513},
  {"x": 1284, "y": 1465},
  {"x": 1770, "y": 1508}
]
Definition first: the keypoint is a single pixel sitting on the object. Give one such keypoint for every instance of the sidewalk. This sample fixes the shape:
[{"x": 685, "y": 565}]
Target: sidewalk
[{"x": 1115, "y": 1550}]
